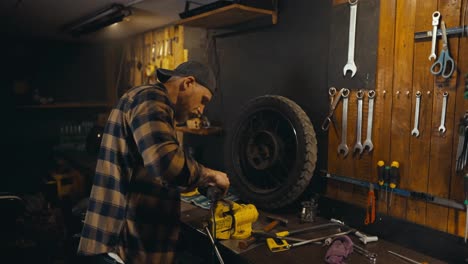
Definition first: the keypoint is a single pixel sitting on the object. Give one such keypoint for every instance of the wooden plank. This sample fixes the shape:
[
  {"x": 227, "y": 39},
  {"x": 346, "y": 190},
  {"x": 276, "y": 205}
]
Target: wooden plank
[
  {"x": 422, "y": 82},
  {"x": 227, "y": 16},
  {"x": 456, "y": 219},
  {"x": 441, "y": 145},
  {"x": 401, "y": 112},
  {"x": 339, "y": 2},
  {"x": 384, "y": 88}
]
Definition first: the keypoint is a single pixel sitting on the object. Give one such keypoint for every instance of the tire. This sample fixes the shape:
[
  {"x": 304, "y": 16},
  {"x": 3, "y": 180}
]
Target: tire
[{"x": 271, "y": 152}]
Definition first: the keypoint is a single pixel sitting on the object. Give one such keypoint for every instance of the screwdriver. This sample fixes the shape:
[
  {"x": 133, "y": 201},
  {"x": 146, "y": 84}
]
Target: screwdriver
[
  {"x": 380, "y": 175},
  {"x": 465, "y": 184},
  {"x": 386, "y": 176},
  {"x": 407, "y": 259},
  {"x": 394, "y": 178}
]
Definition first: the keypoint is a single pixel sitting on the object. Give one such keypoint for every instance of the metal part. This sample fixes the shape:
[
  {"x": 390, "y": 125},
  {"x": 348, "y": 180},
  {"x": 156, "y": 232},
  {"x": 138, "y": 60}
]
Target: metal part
[
  {"x": 450, "y": 31},
  {"x": 415, "y": 131},
  {"x": 333, "y": 103},
  {"x": 405, "y": 193},
  {"x": 372, "y": 257},
  {"x": 207, "y": 230},
  {"x": 358, "y": 146},
  {"x": 365, "y": 238},
  {"x": 405, "y": 258},
  {"x": 343, "y": 148},
  {"x": 435, "y": 23},
  {"x": 370, "y": 116},
  {"x": 321, "y": 238},
  {"x": 442, "y": 128},
  {"x": 350, "y": 65}
]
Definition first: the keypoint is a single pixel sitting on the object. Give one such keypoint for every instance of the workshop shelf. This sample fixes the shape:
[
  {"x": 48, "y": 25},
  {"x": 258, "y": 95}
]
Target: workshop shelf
[{"x": 228, "y": 16}]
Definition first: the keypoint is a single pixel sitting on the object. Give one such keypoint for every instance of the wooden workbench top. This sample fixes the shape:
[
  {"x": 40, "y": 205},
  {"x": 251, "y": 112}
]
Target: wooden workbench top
[{"x": 193, "y": 217}]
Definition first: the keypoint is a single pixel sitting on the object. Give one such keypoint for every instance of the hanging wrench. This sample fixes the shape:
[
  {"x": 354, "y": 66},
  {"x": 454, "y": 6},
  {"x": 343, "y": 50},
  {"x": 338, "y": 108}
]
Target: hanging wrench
[
  {"x": 415, "y": 131},
  {"x": 435, "y": 23},
  {"x": 370, "y": 115},
  {"x": 442, "y": 115},
  {"x": 358, "y": 147},
  {"x": 343, "y": 148},
  {"x": 350, "y": 65},
  {"x": 330, "y": 117}
]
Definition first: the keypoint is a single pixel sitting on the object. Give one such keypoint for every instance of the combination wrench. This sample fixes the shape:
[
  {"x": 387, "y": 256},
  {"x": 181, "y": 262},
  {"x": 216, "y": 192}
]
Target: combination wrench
[
  {"x": 350, "y": 65},
  {"x": 372, "y": 257},
  {"x": 358, "y": 146},
  {"x": 370, "y": 116},
  {"x": 343, "y": 148},
  {"x": 435, "y": 23},
  {"x": 442, "y": 115},
  {"x": 415, "y": 131}
]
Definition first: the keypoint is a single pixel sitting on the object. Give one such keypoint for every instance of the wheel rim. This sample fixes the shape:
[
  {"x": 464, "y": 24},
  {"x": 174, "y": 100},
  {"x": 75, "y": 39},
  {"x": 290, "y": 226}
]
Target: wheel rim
[{"x": 266, "y": 146}]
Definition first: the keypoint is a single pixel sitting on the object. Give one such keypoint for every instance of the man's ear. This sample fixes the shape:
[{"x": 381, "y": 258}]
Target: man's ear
[{"x": 188, "y": 83}]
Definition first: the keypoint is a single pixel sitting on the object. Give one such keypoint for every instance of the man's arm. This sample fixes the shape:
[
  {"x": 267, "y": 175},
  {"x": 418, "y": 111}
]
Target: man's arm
[{"x": 151, "y": 120}]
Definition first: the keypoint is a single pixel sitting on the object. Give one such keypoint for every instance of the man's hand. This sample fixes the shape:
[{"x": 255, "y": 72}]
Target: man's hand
[{"x": 217, "y": 178}]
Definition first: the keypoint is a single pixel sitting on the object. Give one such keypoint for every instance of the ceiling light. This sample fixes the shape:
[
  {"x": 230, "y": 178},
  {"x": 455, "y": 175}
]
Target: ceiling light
[{"x": 103, "y": 18}]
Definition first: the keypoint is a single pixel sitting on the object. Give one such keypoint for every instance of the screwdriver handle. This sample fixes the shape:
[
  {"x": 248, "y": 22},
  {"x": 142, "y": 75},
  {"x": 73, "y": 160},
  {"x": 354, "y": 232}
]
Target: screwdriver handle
[
  {"x": 394, "y": 174},
  {"x": 380, "y": 172}
]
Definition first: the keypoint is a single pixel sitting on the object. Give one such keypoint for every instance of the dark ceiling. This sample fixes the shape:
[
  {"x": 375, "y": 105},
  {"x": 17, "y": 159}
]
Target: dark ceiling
[{"x": 44, "y": 18}]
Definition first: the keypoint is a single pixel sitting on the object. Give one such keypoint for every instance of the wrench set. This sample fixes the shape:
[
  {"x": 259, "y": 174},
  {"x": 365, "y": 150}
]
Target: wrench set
[
  {"x": 360, "y": 147},
  {"x": 343, "y": 95}
]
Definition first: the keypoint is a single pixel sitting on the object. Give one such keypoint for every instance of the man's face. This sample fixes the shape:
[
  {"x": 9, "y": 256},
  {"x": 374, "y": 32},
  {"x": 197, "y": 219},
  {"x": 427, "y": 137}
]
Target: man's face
[{"x": 193, "y": 97}]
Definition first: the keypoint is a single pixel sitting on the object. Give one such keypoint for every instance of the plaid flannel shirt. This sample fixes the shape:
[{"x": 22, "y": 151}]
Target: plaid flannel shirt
[{"x": 134, "y": 206}]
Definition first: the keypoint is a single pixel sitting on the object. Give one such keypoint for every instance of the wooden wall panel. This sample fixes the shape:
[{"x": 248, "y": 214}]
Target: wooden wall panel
[
  {"x": 401, "y": 112},
  {"x": 422, "y": 82},
  {"x": 427, "y": 163},
  {"x": 456, "y": 219},
  {"x": 441, "y": 145},
  {"x": 384, "y": 90}
]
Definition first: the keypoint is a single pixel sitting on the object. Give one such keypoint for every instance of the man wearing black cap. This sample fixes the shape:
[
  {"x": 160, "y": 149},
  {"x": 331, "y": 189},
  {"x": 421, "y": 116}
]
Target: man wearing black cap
[{"x": 134, "y": 207}]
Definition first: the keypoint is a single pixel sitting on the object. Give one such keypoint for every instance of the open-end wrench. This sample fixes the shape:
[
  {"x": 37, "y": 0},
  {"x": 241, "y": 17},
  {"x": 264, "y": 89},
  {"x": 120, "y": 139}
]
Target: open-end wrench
[
  {"x": 358, "y": 146},
  {"x": 372, "y": 257},
  {"x": 442, "y": 115},
  {"x": 435, "y": 23},
  {"x": 370, "y": 115},
  {"x": 350, "y": 65},
  {"x": 333, "y": 103},
  {"x": 415, "y": 131},
  {"x": 343, "y": 148}
]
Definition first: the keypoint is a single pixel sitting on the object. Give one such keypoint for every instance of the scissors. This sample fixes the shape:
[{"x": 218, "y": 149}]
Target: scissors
[
  {"x": 445, "y": 62},
  {"x": 333, "y": 103}
]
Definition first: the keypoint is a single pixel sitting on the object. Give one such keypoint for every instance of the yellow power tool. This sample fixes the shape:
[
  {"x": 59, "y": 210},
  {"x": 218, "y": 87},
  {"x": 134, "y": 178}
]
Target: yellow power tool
[{"x": 233, "y": 220}]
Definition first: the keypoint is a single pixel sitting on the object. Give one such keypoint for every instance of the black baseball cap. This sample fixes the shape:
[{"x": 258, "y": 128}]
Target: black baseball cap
[{"x": 203, "y": 75}]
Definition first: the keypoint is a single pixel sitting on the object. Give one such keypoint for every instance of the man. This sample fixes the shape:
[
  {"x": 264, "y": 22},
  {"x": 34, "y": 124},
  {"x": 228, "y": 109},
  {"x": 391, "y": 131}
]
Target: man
[{"x": 134, "y": 207}]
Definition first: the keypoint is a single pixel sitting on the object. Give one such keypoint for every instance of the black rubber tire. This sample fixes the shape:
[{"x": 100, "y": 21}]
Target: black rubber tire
[{"x": 298, "y": 177}]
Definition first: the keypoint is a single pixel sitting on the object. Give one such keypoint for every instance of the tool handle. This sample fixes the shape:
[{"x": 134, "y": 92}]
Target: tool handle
[
  {"x": 380, "y": 172},
  {"x": 213, "y": 193},
  {"x": 244, "y": 244},
  {"x": 394, "y": 174}
]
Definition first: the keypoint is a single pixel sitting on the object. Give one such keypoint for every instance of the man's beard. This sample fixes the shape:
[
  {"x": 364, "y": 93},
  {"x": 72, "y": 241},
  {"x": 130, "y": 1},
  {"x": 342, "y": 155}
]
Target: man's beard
[{"x": 181, "y": 116}]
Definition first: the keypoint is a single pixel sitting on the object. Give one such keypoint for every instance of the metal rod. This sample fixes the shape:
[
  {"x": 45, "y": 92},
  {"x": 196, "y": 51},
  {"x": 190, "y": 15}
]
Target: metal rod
[
  {"x": 450, "y": 31},
  {"x": 207, "y": 229}
]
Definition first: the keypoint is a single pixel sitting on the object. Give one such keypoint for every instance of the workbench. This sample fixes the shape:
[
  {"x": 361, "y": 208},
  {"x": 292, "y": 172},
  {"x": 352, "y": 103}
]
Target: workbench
[{"x": 192, "y": 218}]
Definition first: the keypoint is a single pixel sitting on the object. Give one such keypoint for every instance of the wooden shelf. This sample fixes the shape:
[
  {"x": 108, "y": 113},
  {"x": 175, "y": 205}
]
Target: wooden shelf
[
  {"x": 202, "y": 131},
  {"x": 65, "y": 105},
  {"x": 227, "y": 16}
]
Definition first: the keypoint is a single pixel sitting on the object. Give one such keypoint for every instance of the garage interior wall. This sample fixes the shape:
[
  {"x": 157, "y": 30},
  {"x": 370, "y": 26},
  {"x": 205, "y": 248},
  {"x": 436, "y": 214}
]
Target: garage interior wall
[
  {"x": 288, "y": 59},
  {"x": 427, "y": 162}
]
